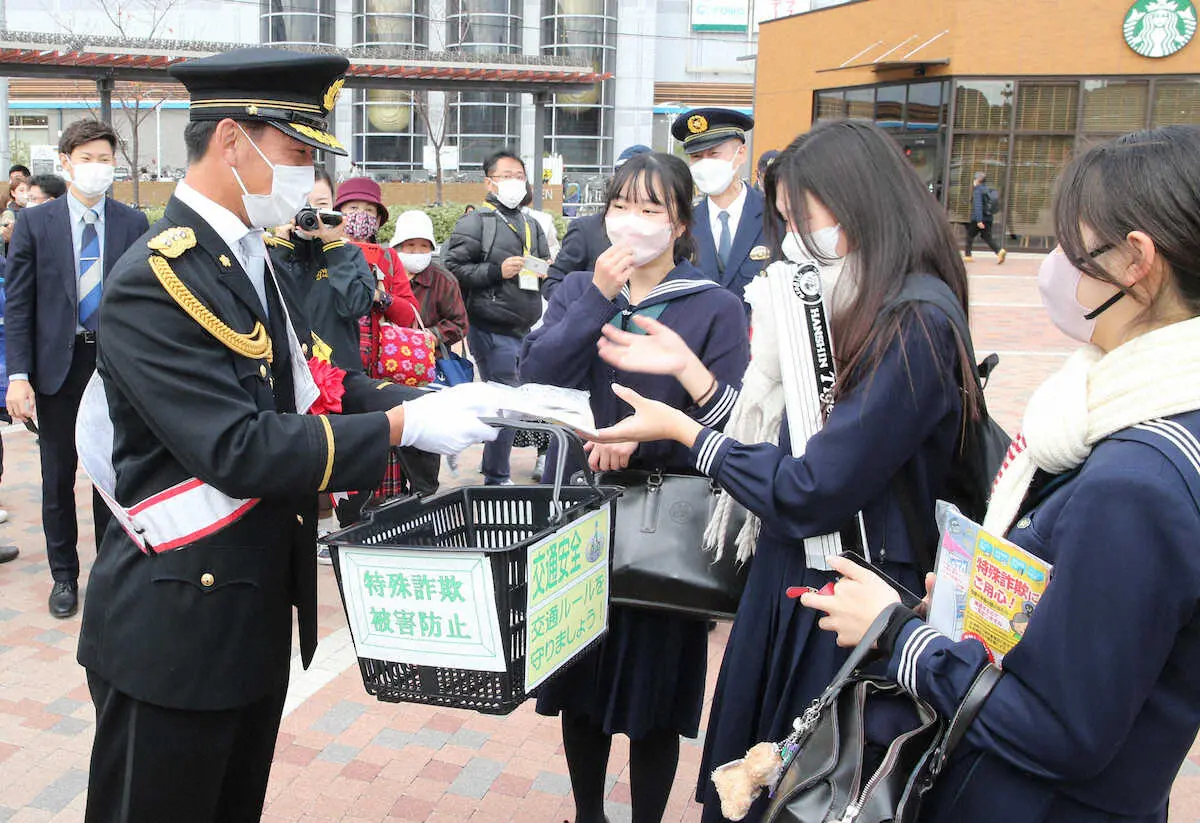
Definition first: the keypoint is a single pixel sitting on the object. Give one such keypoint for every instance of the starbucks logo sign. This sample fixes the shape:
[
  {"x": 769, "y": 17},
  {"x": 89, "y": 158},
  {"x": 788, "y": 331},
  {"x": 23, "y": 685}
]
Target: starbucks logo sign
[{"x": 1159, "y": 28}]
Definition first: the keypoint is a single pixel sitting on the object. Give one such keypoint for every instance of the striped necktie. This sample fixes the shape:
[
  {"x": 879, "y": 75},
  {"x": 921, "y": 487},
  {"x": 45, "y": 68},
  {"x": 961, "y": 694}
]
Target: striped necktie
[{"x": 89, "y": 271}]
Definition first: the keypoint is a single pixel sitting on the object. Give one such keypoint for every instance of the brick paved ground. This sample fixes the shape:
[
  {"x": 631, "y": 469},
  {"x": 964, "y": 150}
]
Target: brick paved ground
[{"x": 341, "y": 755}]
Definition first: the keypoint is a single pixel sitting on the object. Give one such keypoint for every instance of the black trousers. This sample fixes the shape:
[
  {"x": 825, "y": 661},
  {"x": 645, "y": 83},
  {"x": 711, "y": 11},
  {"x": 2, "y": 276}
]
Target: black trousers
[
  {"x": 56, "y": 415},
  {"x": 152, "y": 765},
  {"x": 973, "y": 230}
]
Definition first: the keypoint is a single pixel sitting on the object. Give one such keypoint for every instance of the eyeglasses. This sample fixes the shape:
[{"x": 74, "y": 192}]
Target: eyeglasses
[{"x": 520, "y": 177}]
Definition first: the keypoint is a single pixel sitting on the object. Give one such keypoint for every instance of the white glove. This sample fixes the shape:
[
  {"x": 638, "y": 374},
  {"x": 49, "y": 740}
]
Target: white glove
[{"x": 447, "y": 421}]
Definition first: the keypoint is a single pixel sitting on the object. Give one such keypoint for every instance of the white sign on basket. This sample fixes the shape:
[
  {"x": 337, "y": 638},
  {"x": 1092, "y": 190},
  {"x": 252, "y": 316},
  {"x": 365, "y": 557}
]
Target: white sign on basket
[{"x": 424, "y": 608}]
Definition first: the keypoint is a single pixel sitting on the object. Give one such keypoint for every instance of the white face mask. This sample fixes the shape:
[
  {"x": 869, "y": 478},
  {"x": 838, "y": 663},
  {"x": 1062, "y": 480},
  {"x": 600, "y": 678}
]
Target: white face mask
[
  {"x": 290, "y": 187},
  {"x": 825, "y": 242},
  {"x": 646, "y": 238},
  {"x": 510, "y": 192},
  {"x": 839, "y": 291},
  {"x": 92, "y": 179},
  {"x": 713, "y": 175},
  {"x": 415, "y": 263}
]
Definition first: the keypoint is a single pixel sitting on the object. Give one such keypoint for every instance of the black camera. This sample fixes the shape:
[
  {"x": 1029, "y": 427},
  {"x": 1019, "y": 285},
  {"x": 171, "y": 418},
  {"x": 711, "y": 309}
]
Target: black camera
[{"x": 309, "y": 219}]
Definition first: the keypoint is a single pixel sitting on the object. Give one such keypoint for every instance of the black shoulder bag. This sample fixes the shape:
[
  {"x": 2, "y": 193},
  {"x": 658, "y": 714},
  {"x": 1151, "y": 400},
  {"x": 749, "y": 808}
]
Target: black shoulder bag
[{"x": 832, "y": 775}]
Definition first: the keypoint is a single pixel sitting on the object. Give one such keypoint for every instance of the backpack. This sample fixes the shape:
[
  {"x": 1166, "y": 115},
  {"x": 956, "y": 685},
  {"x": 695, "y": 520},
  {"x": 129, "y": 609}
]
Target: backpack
[
  {"x": 984, "y": 443},
  {"x": 991, "y": 203}
]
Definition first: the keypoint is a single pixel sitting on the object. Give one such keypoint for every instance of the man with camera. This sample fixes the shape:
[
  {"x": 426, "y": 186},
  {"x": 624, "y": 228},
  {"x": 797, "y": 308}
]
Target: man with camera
[{"x": 331, "y": 277}]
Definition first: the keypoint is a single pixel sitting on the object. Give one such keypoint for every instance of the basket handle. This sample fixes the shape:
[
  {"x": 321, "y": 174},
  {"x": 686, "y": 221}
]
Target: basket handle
[{"x": 567, "y": 439}]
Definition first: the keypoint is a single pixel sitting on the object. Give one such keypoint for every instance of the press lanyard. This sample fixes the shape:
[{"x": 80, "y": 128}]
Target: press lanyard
[{"x": 504, "y": 220}]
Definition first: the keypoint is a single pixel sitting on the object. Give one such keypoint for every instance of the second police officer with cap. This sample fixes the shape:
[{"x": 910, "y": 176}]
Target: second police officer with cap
[
  {"x": 194, "y": 430},
  {"x": 728, "y": 226}
]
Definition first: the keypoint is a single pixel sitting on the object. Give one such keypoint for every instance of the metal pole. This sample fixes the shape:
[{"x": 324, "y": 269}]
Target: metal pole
[
  {"x": 158, "y": 140},
  {"x": 5, "y": 147},
  {"x": 539, "y": 141},
  {"x": 104, "y": 86}
]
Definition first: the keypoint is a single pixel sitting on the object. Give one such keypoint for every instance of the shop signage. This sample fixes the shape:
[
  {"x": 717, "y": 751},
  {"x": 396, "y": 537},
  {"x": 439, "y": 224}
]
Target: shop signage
[
  {"x": 1159, "y": 28},
  {"x": 720, "y": 15}
]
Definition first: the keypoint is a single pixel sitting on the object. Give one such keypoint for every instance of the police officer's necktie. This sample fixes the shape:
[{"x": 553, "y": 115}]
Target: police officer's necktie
[
  {"x": 89, "y": 271},
  {"x": 725, "y": 241},
  {"x": 254, "y": 249}
]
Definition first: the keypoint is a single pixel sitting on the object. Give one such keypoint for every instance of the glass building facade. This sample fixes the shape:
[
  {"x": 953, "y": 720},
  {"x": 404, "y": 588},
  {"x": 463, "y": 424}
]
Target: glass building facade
[
  {"x": 1021, "y": 132},
  {"x": 579, "y": 126},
  {"x": 389, "y": 133},
  {"x": 483, "y": 122},
  {"x": 297, "y": 22}
]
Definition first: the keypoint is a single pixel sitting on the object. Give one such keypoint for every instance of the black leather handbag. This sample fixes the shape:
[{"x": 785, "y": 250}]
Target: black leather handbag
[
  {"x": 835, "y": 776},
  {"x": 659, "y": 560}
]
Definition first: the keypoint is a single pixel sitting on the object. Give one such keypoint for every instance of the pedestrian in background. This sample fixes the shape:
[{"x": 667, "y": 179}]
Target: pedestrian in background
[
  {"x": 442, "y": 311},
  {"x": 984, "y": 202},
  {"x": 486, "y": 252},
  {"x": 646, "y": 677},
  {"x": 45, "y": 187},
  {"x": 59, "y": 256},
  {"x": 731, "y": 245}
]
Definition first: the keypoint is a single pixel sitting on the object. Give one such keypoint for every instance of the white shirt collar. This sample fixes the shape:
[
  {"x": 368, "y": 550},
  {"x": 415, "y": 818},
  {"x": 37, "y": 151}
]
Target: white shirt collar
[
  {"x": 735, "y": 213},
  {"x": 228, "y": 226}
]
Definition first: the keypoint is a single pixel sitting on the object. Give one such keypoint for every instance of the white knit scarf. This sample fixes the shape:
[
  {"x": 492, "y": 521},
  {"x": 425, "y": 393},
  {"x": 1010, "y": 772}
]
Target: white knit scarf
[
  {"x": 1094, "y": 395},
  {"x": 757, "y": 416}
]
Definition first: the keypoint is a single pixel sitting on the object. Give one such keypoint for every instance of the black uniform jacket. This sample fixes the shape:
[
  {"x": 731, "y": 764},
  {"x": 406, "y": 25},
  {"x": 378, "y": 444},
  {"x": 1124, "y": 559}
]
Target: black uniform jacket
[{"x": 208, "y": 626}]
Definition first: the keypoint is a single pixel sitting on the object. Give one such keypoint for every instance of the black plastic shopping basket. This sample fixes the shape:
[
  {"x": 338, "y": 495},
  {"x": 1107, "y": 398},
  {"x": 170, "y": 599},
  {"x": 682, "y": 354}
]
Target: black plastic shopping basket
[{"x": 501, "y": 522}]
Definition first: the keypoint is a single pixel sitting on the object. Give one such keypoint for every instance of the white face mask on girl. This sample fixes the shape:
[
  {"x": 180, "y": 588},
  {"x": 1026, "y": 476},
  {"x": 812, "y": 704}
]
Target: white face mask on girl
[
  {"x": 290, "y": 187},
  {"x": 823, "y": 241},
  {"x": 1058, "y": 283},
  {"x": 713, "y": 175},
  {"x": 646, "y": 238}
]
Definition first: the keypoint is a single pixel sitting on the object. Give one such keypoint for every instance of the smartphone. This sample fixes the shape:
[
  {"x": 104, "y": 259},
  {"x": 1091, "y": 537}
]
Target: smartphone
[
  {"x": 30, "y": 425},
  {"x": 907, "y": 598}
]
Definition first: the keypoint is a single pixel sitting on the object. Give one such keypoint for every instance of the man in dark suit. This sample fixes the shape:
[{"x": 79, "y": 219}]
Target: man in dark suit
[
  {"x": 728, "y": 226},
  {"x": 61, "y": 252},
  {"x": 194, "y": 429},
  {"x": 586, "y": 239}
]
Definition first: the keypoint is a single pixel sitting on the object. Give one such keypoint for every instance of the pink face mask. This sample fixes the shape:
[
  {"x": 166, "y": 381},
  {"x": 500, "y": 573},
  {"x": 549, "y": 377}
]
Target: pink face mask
[
  {"x": 646, "y": 238},
  {"x": 1058, "y": 282},
  {"x": 360, "y": 225}
]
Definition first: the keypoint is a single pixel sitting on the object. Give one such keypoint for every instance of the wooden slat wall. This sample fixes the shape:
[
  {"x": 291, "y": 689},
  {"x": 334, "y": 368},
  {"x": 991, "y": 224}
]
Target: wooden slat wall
[{"x": 740, "y": 95}]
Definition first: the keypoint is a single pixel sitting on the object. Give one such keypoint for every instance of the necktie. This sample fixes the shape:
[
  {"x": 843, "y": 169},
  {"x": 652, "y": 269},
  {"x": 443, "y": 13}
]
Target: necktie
[
  {"x": 89, "y": 271},
  {"x": 255, "y": 252},
  {"x": 725, "y": 241}
]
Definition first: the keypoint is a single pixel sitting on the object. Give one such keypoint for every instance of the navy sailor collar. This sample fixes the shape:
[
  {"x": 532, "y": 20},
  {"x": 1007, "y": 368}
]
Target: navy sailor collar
[{"x": 682, "y": 280}]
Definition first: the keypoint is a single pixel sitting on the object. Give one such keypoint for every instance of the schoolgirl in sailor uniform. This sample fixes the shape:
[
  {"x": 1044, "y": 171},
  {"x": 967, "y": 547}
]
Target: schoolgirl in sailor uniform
[
  {"x": 1099, "y": 702},
  {"x": 847, "y": 195},
  {"x": 646, "y": 679}
]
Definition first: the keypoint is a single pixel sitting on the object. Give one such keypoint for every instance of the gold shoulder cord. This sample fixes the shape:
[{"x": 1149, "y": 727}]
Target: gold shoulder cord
[{"x": 255, "y": 345}]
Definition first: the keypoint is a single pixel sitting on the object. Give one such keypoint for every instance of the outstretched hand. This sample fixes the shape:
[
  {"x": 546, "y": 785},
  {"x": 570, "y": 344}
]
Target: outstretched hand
[
  {"x": 651, "y": 420},
  {"x": 659, "y": 351}
]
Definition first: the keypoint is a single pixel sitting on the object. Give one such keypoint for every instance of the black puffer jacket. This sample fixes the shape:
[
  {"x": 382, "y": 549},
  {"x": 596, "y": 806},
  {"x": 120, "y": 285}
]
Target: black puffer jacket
[{"x": 495, "y": 304}]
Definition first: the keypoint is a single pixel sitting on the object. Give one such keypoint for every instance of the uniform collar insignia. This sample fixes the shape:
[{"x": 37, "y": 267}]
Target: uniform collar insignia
[
  {"x": 173, "y": 242},
  {"x": 224, "y": 260}
]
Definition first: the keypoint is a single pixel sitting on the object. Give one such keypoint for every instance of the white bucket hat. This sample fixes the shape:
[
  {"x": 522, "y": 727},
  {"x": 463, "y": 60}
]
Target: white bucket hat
[{"x": 411, "y": 225}]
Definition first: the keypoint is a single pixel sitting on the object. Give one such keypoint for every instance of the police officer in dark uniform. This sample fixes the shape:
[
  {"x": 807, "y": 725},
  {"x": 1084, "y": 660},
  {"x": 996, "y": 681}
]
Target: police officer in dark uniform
[
  {"x": 212, "y": 476},
  {"x": 728, "y": 226}
]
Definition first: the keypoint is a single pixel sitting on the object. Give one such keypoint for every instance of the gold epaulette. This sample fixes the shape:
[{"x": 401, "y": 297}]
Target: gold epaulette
[
  {"x": 255, "y": 345},
  {"x": 173, "y": 242}
]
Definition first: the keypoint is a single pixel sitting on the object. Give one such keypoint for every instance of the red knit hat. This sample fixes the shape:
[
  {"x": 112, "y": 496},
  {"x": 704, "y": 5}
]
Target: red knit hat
[{"x": 362, "y": 188}]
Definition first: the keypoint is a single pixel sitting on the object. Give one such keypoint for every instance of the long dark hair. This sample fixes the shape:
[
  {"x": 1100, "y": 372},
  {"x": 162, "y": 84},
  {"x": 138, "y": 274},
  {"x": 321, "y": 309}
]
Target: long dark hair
[
  {"x": 894, "y": 226},
  {"x": 657, "y": 177},
  {"x": 1148, "y": 181}
]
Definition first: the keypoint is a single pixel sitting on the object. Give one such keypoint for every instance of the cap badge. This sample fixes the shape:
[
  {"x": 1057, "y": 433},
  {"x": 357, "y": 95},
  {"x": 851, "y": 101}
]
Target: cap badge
[
  {"x": 697, "y": 124},
  {"x": 173, "y": 242},
  {"x": 331, "y": 94}
]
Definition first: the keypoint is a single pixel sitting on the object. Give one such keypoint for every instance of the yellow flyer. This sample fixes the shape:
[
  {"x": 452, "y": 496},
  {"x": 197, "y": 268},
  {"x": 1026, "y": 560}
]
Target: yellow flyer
[{"x": 994, "y": 600}]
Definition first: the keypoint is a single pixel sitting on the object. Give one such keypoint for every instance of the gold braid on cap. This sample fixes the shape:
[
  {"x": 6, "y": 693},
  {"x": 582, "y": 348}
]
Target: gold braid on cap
[{"x": 255, "y": 345}]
